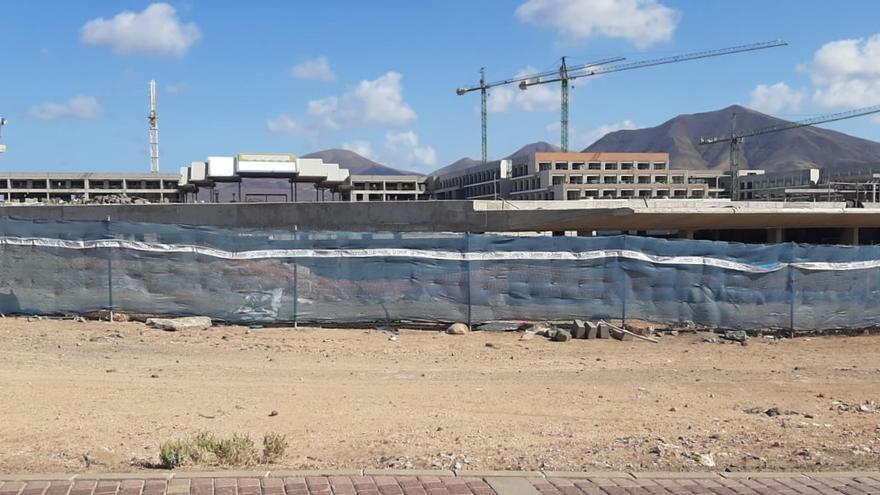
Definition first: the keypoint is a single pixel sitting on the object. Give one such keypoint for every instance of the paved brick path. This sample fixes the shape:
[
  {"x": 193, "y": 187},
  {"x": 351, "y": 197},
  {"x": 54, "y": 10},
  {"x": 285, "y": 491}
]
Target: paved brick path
[{"x": 797, "y": 484}]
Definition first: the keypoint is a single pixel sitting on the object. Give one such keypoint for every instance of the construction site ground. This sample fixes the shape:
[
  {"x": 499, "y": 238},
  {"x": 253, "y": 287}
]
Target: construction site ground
[{"x": 101, "y": 397}]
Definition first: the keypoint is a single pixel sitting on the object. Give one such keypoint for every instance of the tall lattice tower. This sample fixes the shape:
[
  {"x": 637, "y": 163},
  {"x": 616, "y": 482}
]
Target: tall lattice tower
[{"x": 154, "y": 130}]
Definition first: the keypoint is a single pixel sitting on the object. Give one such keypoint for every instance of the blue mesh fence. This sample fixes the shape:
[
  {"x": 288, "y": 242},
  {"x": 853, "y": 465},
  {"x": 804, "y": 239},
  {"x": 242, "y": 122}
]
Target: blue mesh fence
[{"x": 241, "y": 275}]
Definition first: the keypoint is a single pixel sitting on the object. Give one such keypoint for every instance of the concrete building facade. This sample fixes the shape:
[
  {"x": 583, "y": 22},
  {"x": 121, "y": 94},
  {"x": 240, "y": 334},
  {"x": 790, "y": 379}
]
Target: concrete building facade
[
  {"x": 359, "y": 188},
  {"x": 26, "y": 187},
  {"x": 490, "y": 180}
]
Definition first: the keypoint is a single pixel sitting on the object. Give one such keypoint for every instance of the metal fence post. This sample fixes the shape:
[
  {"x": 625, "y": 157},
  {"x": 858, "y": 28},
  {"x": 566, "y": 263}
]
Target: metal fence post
[
  {"x": 467, "y": 265},
  {"x": 109, "y": 271},
  {"x": 295, "y": 282},
  {"x": 623, "y": 284},
  {"x": 791, "y": 296}
]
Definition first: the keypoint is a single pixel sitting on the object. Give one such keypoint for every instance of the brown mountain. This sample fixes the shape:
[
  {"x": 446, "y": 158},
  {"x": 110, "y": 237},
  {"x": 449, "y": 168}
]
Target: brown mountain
[
  {"x": 805, "y": 147},
  {"x": 469, "y": 162},
  {"x": 356, "y": 164}
]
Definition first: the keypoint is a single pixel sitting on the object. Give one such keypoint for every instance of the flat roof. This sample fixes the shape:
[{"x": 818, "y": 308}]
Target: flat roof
[
  {"x": 387, "y": 177},
  {"x": 601, "y": 156},
  {"x": 85, "y": 175}
]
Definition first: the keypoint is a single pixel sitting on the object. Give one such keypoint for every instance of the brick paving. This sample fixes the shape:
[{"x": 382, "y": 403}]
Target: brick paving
[{"x": 180, "y": 484}]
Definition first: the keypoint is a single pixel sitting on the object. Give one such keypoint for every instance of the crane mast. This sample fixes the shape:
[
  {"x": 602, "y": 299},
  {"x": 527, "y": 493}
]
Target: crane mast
[
  {"x": 483, "y": 87},
  {"x": 153, "y": 118},
  {"x": 567, "y": 74},
  {"x": 736, "y": 139}
]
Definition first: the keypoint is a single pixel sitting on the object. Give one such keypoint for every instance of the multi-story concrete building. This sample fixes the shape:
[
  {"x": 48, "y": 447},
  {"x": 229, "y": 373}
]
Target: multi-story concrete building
[
  {"x": 760, "y": 185},
  {"x": 383, "y": 188},
  {"x": 575, "y": 176},
  {"x": 490, "y": 180},
  {"x": 26, "y": 187}
]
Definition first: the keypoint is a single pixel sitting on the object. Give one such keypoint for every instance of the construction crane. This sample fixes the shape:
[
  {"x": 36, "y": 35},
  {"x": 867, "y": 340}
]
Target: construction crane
[
  {"x": 153, "y": 119},
  {"x": 567, "y": 74},
  {"x": 2, "y": 146},
  {"x": 484, "y": 86},
  {"x": 736, "y": 139}
]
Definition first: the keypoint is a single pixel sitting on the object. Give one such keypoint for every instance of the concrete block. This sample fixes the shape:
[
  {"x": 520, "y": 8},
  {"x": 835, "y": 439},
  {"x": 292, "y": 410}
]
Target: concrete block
[
  {"x": 315, "y": 472},
  {"x": 844, "y": 474},
  {"x": 408, "y": 472},
  {"x": 664, "y": 475},
  {"x": 592, "y": 330},
  {"x": 144, "y": 475},
  {"x": 220, "y": 474},
  {"x": 37, "y": 477},
  {"x": 580, "y": 330},
  {"x": 496, "y": 474},
  {"x": 742, "y": 475},
  {"x": 517, "y": 485},
  {"x": 588, "y": 474},
  {"x": 604, "y": 331}
]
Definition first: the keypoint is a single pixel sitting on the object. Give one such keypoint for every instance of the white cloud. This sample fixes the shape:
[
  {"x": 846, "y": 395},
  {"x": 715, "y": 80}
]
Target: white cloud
[
  {"x": 847, "y": 73},
  {"x": 361, "y": 147},
  {"x": 317, "y": 69},
  {"x": 580, "y": 140},
  {"x": 155, "y": 31},
  {"x": 379, "y": 101},
  {"x": 540, "y": 98},
  {"x": 777, "y": 97},
  {"x": 80, "y": 107},
  {"x": 640, "y": 22},
  {"x": 286, "y": 125},
  {"x": 403, "y": 148}
]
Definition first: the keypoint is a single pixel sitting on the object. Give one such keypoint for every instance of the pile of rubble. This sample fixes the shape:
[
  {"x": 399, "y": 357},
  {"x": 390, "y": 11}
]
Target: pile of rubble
[{"x": 580, "y": 330}]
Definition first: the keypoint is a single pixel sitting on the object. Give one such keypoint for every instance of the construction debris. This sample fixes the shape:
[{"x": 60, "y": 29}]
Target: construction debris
[
  {"x": 458, "y": 329},
  {"x": 188, "y": 323}
]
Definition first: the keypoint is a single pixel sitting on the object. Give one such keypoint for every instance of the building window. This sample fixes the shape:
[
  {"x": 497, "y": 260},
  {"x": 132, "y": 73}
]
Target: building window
[
  {"x": 644, "y": 166},
  {"x": 576, "y": 179},
  {"x": 543, "y": 167},
  {"x": 573, "y": 195},
  {"x": 659, "y": 179},
  {"x": 678, "y": 179},
  {"x": 610, "y": 166},
  {"x": 558, "y": 179},
  {"x": 660, "y": 166},
  {"x": 561, "y": 166},
  {"x": 594, "y": 166},
  {"x": 626, "y": 179},
  {"x": 577, "y": 166},
  {"x": 644, "y": 179},
  {"x": 626, "y": 166},
  {"x": 592, "y": 179},
  {"x": 609, "y": 179}
]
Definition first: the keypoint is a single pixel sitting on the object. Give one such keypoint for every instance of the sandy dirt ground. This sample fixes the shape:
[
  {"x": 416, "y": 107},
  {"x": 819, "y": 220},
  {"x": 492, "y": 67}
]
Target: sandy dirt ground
[{"x": 102, "y": 396}]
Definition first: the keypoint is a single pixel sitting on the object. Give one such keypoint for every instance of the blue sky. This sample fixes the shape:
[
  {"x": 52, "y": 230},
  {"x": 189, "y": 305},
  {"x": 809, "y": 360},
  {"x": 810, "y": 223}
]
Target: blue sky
[{"x": 379, "y": 77}]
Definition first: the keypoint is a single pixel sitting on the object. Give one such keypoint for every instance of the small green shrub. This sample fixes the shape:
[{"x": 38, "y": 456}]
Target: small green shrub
[
  {"x": 174, "y": 453},
  {"x": 274, "y": 446},
  {"x": 236, "y": 451}
]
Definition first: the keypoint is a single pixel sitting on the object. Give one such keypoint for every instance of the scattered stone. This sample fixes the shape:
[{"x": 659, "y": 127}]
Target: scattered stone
[
  {"x": 458, "y": 329},
  {"x": 188, "y": 323},
  {"x": 561, "y": 336},
  {"x": 527, "y": 335},
  {"x": 492, "y": 345},
  {"x": 543, "y": 328},
  {"x": 273, "y": 413},
  {"x": 154, "y": 376},
  {"x": 499, "y": 326},
  {"x": 707, "y": 460},
  {"x": 735, "y": 336},
  {"x": 120, "y": 317}
]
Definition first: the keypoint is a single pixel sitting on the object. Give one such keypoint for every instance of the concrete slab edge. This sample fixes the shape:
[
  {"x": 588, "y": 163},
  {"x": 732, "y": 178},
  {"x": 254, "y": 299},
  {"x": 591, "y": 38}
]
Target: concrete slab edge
[
  {"x": 671, "y": 475},
  {"x": 169, "y": 475}
]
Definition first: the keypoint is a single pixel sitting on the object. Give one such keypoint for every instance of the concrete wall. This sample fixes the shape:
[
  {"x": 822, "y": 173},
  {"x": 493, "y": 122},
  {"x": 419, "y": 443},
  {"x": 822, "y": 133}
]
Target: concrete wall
[{"x": 480, "y": 216}]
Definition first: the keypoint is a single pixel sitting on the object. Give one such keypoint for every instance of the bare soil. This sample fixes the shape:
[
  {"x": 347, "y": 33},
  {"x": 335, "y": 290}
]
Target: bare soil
[{"x": 102, "y": 396}]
